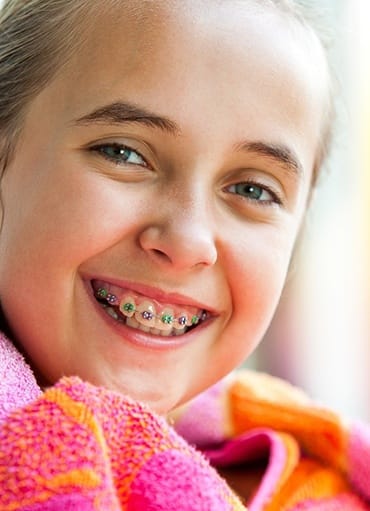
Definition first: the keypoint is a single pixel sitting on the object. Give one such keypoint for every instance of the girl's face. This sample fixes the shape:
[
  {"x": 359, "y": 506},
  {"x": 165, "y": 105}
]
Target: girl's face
[{"x": 160, "y": 180}]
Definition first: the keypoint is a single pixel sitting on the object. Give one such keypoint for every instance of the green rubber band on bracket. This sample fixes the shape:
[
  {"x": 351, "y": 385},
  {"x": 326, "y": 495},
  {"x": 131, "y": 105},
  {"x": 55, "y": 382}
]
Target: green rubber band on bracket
[
  {"x": 102, "y": 293},
  {"x": 167, "y": 319},
  {"x": 128, "y": 307}
]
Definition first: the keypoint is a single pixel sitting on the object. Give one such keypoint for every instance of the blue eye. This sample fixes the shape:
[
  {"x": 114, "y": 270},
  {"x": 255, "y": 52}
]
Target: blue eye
[
  {"x": 120, "y": 154},
  {"x": 254, "y": 192}
]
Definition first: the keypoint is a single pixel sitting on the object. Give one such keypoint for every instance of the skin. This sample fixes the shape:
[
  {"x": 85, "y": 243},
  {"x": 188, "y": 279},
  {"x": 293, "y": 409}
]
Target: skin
[{"x": 177, "y": 223}]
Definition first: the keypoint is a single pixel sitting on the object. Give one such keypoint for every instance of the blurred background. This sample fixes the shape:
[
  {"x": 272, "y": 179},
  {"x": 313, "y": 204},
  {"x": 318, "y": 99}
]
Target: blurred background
[{"x": 319, "y": 339}]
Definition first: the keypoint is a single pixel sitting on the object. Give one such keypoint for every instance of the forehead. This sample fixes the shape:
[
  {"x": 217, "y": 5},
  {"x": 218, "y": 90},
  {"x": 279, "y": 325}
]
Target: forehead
[
  {"x": 233, "y": 61},
  {"x": 155, "y": 20},
  {"x": 144, "y": 35},
  {"x": 148, "y": 25}
]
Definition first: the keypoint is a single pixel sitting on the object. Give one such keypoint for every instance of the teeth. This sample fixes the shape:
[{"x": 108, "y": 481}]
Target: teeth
[
  {"x": 165, "y": 333},
  {"x": 181, "y": 321},
  {"x": 145, "y": 311},
  {"x": 142, "y": 315},
  {"x": 112, "y": 312},
  {"x": 146, "y": 314},
  {"x": 179, "y": 332},
  {"x": 132, "y": 323},
  {"x": 166, "y": 320},
  {"x": 144, "y": 328},
  {"x": 166, "y": 330},
  {"x": 127, "y": 306}
]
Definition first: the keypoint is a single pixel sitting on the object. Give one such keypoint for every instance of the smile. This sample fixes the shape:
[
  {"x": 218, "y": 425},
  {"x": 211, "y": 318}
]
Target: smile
[{"x": 142, "y": 313}]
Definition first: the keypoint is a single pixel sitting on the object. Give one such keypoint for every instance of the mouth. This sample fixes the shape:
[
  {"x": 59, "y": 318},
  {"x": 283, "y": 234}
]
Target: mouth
[{"x": 146, "y": 314}]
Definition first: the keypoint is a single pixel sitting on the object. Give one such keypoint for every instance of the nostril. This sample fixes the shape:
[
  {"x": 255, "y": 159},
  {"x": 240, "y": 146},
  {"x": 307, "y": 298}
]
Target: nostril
[
  {"x": 160, "y": 254},
  {"x": 183, "y": 248}
]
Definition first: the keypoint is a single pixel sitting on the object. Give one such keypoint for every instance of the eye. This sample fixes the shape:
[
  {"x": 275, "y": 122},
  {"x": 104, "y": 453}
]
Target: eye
[
  {"x": 255, "y": 192},
  {"x": 120, "y": 154}
]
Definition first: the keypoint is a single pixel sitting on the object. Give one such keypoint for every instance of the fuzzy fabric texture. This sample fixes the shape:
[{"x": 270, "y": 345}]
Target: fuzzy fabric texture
[
  {"x": 315, "y": 460},
  {"x": 79, "y": 447},
  {"x": 17, "y": 383}
]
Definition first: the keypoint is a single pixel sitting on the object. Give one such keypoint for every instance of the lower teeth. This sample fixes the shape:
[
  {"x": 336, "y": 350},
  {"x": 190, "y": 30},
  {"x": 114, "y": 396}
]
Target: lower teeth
[
  {"x": 133, "y": 323},
  {"x": 112, "y": 312}
]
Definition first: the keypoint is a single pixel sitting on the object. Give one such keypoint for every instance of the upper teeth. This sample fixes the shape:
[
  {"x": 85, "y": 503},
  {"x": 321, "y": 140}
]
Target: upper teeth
[{"x": 145, "y": 312}]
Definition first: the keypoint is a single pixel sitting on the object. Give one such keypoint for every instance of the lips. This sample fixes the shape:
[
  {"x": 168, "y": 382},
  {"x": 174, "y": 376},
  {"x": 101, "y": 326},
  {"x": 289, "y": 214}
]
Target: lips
[{"x": 144, "y": 313}]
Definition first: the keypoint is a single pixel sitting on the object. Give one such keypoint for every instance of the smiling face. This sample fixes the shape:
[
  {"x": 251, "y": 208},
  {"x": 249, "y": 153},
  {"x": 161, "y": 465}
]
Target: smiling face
[{"x": 155, "y": 195}]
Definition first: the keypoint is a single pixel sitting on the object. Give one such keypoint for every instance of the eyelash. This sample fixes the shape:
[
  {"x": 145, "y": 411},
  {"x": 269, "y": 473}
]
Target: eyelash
[
  {"x": 126, "y": 151},
  {"x": 123, "y": 151},
  {"x": 253, "y": 185}
]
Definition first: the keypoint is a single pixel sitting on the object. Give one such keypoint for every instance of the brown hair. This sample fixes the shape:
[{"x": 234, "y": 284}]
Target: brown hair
[{"x": 37, "y": 37}]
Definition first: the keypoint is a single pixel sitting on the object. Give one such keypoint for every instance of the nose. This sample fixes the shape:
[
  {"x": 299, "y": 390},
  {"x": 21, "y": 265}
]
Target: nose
[{"x": 182, "y": 238}]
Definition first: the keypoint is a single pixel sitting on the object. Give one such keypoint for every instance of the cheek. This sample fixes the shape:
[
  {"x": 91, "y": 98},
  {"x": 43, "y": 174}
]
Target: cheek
[
  {"x": 94, "y": 214},
  {"x": 258, "y": 269}
]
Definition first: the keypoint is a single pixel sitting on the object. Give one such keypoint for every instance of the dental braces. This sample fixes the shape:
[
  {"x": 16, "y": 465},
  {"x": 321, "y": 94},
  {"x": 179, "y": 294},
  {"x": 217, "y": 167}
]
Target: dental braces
[{"x": 167, "y": 319}]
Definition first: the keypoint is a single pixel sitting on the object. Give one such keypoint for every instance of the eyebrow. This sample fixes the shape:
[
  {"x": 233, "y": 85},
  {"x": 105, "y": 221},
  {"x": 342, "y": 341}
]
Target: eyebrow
[
  {"x": 282, "y": 154},
  {"x": 120, "y": 112}
]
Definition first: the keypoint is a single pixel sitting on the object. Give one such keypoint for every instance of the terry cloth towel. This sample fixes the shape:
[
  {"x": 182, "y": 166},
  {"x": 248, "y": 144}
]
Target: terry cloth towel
[
  {"x": 83, "y": 448},
  {"x": 17, "y": 383},
  {"x": 315, "y": 461}
]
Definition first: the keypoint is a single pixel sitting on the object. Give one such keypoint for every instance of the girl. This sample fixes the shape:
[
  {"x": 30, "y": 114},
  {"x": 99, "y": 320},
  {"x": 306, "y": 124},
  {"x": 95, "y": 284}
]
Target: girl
[{"x": 157, "y": 161}]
